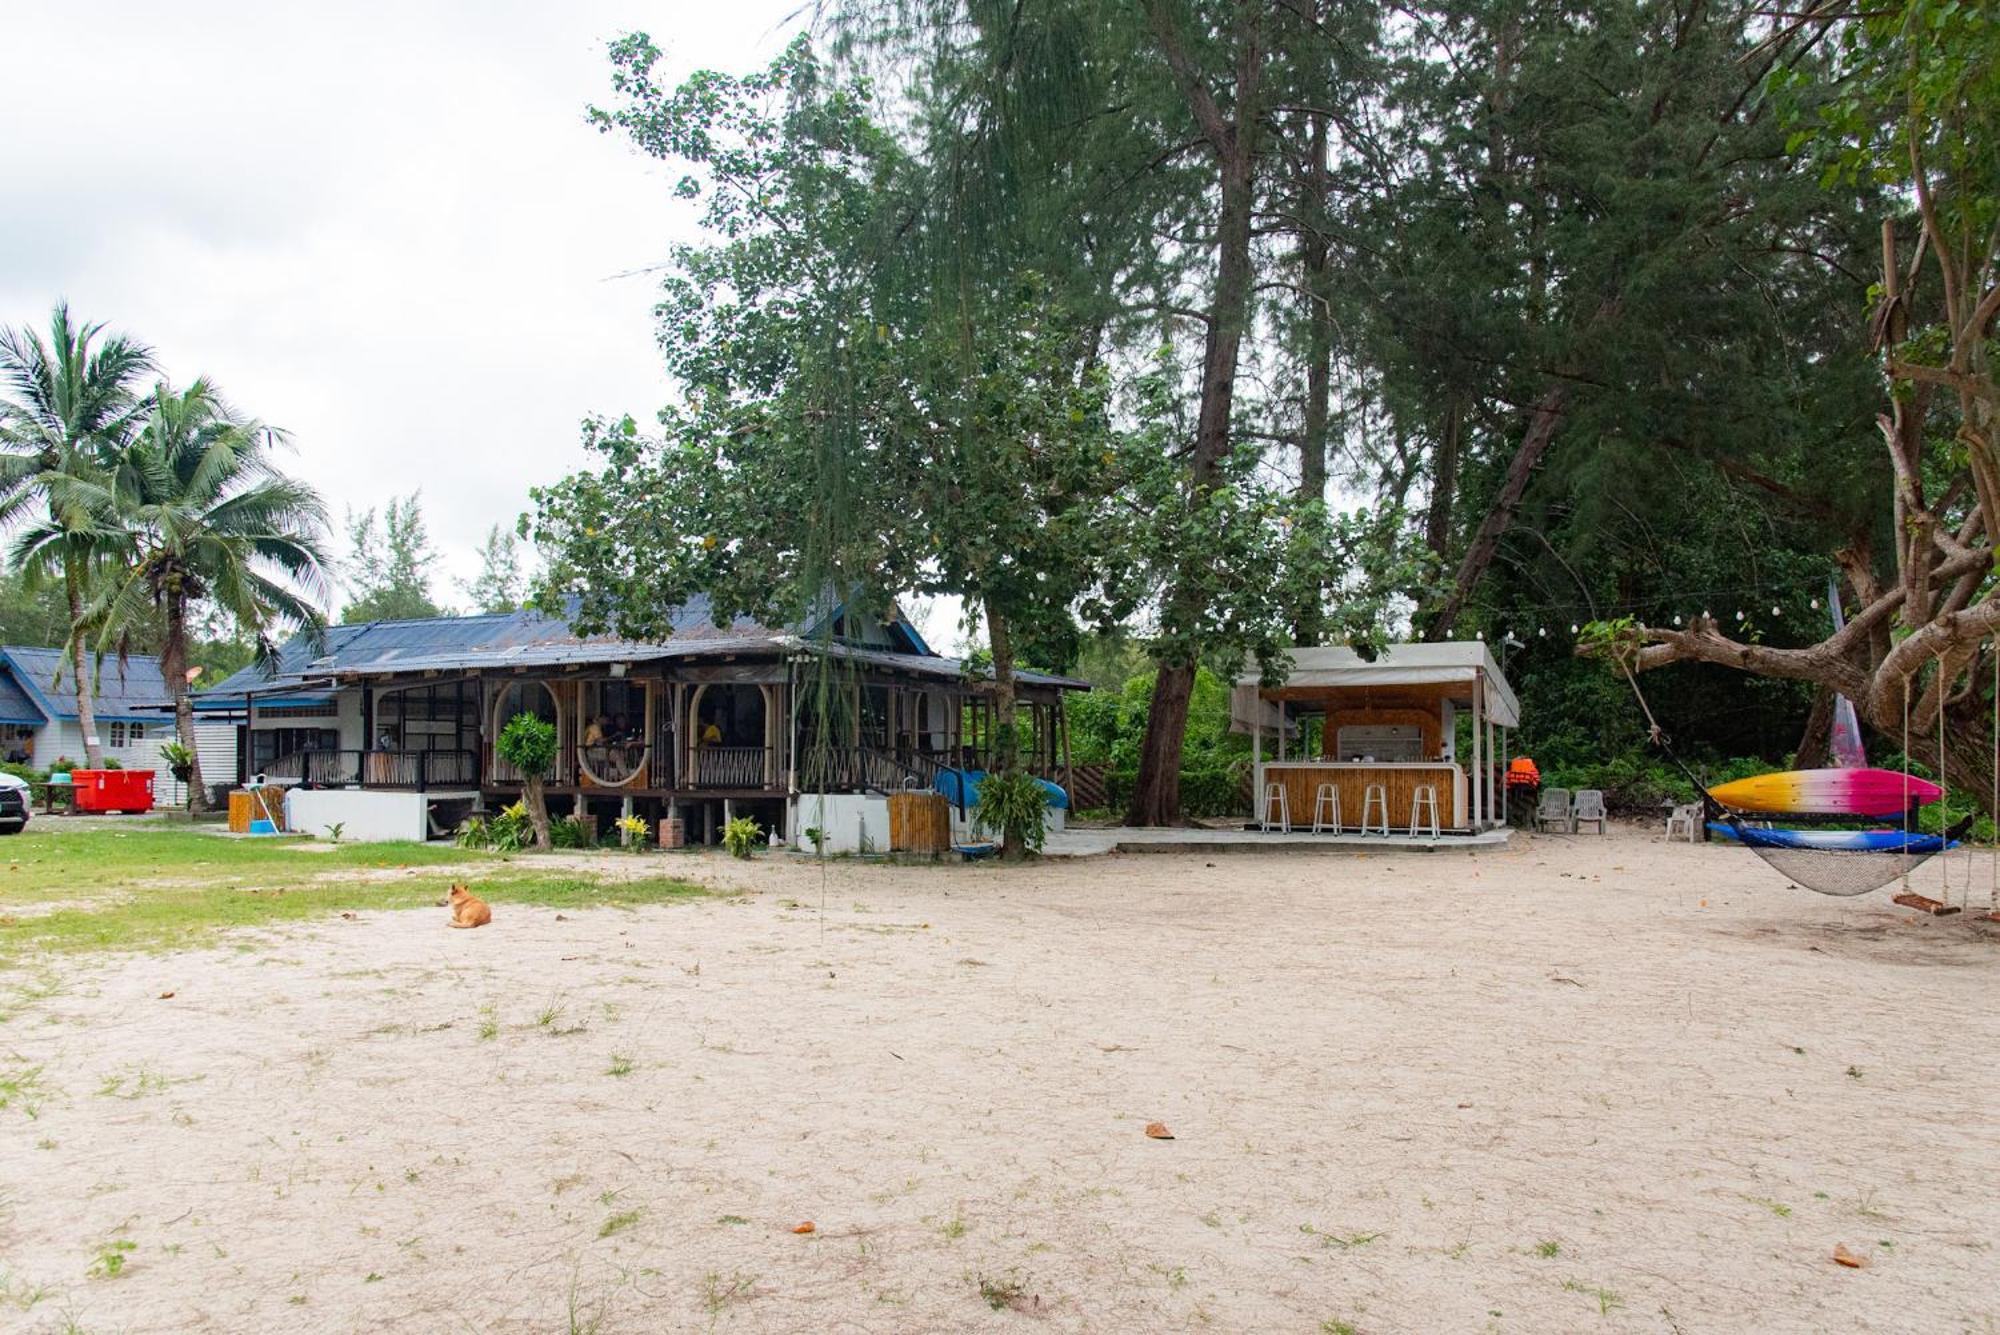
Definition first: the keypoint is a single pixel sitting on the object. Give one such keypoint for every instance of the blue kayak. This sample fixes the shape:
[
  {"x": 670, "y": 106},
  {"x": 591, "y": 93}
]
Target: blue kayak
[{"x": 1835, "y": 841}]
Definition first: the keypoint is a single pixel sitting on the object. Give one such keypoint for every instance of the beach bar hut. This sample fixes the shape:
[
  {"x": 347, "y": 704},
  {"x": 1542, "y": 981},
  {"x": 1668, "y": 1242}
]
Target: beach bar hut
[{"x": 1388, "y": 725}]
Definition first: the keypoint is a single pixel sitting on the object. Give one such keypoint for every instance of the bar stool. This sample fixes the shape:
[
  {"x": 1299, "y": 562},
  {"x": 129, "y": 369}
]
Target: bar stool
[
  {"x": 1424, "y": 802},
  {"x": 1374, "y": 799},
  {"x": 1326, "y": 809},
  {"x": 1275, "y": 799}
]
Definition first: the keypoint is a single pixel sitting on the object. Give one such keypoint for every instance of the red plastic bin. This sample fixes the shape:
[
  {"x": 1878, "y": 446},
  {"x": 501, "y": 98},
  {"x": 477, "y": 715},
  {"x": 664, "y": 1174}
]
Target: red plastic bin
[{"x": 126, "y": 790}]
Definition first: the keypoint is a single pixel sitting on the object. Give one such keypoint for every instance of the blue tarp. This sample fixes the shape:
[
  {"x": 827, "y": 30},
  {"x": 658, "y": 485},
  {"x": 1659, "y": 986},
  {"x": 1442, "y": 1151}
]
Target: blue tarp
[{"x": 961, "y": 788}]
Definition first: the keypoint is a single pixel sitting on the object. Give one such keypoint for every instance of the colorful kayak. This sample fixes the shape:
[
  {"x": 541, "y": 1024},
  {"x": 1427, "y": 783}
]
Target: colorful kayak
[
  {"x": 1827, "y": 792},
  {"x": 1836, "y": 841}
]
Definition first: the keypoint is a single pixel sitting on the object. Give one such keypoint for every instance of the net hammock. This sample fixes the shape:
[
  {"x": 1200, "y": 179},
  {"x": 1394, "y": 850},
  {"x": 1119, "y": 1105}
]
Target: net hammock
[{"x": 1840, "y": 862}]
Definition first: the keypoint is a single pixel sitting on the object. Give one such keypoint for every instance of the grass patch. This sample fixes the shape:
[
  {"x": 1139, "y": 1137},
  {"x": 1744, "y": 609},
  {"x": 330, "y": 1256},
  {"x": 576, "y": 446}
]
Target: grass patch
[
  {"x": 1548, "y": 1250},
  {"x": 152, "y": 889},
  {"x": 618, "y": 1223},
  {"x": 1608, "y": 1300},
  {"x": 22, "y": 1087},
  {"x": 619, "y": 1065}
]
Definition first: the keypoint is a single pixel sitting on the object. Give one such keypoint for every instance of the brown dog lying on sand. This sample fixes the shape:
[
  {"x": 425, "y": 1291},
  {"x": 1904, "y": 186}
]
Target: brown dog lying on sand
[{"x": 467, "y": 909}]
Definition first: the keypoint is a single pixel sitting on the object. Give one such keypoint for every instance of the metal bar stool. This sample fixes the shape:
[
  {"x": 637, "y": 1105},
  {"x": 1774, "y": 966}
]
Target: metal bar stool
[
  {"x": 1424, "y": 809},
  {"x": 1326, "y": 809},
  {"x": 1275, "y": 799},
  {"x": 1374, "y": 800}
]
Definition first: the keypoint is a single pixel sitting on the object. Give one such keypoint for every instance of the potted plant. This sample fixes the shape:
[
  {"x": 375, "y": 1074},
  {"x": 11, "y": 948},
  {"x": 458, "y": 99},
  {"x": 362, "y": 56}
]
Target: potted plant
[{"x": 179, "y": 761}]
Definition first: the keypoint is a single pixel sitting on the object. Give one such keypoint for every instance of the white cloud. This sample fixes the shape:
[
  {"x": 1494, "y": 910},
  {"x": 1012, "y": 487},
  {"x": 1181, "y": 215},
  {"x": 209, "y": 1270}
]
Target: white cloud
[{"x": 386, "y": 228}]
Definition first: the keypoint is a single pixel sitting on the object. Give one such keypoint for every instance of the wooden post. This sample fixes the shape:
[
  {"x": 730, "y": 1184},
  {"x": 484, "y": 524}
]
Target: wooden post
[{"x": 1478, "y": 717}]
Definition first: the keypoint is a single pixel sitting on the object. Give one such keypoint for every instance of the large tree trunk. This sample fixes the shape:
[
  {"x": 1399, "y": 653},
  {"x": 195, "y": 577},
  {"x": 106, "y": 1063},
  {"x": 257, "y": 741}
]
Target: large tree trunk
[
  {"x": 538, "y": 809},
  {"x": 1007, "y": 743},
  {"x": 1156, "y": 794},
  {"x": 1307, "y": 622},
  {"x": 1444, "y": 478},
  {"x": 86, "y": 707},
  {"x": 1816, "y": 740},
  {"x": 173, "y": 666},
  {"x": 1543, "y": 420}
]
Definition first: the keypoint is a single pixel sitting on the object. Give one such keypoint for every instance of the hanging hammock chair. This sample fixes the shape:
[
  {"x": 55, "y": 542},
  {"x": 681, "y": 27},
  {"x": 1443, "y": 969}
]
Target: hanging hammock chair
[{"x": 1839, "y": 862}]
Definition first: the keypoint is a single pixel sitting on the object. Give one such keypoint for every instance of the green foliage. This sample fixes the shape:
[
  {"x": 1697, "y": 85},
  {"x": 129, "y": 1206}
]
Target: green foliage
[
  {"x": 1108, "y": 728},
  {"x": 741, "y": 836},
  {"x": 527, "y": 743},
  {"x": 1015, "y": 806},
  {"x": 388, "y": 568},
  {"x": 571, "y": 832},
  {"x": 508, "y": 830},
  {"x": 1209, "y": 793},
  {"x": 176, "y": 756}
]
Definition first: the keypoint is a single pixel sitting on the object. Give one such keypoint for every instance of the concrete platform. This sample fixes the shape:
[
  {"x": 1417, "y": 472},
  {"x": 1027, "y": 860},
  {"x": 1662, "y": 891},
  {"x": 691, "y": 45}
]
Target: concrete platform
[{"x": 1077, "y": 843}]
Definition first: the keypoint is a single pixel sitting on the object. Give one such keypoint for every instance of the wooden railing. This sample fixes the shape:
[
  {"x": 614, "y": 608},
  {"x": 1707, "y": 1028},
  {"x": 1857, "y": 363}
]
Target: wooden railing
[
  {"x": 420, "y": 770},
  {"x": 731, "y": 767}
]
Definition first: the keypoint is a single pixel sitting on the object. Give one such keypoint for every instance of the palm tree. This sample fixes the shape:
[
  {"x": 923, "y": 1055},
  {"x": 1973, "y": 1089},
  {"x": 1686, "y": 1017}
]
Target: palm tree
[
  {"x": 211, "y": 521},
  {"x": 70, "y": 404}
]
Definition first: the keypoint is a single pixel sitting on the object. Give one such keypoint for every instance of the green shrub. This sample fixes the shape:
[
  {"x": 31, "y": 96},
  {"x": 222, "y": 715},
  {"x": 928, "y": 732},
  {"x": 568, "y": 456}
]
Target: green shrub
[
  {"x": 570, "y": 832},
  {"x": 1214, "y": 792},
  {"x": 505, "y": 831},
  {"x": 1014, "y": 806},
  {"x": 741, "y": 836}
]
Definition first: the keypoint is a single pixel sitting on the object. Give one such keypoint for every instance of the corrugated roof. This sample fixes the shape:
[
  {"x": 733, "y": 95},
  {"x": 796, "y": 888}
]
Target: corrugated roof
[
  {"x": 527, "y": 639},
  {"x": 930, "y": 665},
  {"x": 133, "y": 690},
  {"x": 16, "y": 707}
]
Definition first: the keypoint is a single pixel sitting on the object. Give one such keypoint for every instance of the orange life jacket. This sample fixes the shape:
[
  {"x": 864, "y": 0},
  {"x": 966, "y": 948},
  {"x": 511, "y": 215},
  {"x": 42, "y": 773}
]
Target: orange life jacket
[{"x": 1523, "y": 774}]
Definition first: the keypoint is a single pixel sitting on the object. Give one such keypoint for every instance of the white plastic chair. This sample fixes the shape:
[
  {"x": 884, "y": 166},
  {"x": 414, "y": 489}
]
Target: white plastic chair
[
  {"x": 1686, "y": 820},
  {"x": 1554, "y": 809},
  {"x": 1589, "y": 809}
]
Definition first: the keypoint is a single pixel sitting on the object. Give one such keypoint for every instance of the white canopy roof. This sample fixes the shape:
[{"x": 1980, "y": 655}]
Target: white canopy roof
[{"x": 1396, "y": 665}]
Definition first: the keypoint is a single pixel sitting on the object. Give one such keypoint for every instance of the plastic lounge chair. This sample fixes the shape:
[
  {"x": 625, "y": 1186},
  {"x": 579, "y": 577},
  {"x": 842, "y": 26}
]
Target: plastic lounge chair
[
  {"x": 1685, "y": 819},
  {"x": 1589, "y": 809},
  {"x": 1553, "y": 810}
]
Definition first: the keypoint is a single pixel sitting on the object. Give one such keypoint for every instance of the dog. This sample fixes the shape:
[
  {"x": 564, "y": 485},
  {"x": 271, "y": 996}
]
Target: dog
[{"x": 467, "y": 909}]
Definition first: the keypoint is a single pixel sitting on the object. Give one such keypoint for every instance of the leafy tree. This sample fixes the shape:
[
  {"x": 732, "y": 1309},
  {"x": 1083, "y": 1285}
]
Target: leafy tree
[
  {"x": 501, "y": 585},
  {"x": 208, "y": 522},
  {"x": 1912, "y": 99},
  {"x": 388, "y": 569},
  {"x": 529, "y": 745},
  {"x": 842, "y": 428},
  {"x": 71, "y": 403}
]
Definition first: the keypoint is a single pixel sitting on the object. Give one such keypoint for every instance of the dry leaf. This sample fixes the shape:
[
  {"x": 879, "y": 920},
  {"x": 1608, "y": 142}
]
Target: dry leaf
[
  {"x": 806, "y": 1227},
  {"x": 1158, "y": 1131},
  {"x": 347, "y": 915},
  {"x": 166, "y": 996},
  {"x": 1842, "y": 1256}
]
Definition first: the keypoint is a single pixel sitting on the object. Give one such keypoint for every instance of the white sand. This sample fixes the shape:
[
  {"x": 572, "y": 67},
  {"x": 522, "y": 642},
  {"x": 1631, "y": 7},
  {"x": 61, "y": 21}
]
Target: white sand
[{"x": 1391, "y": 1078}]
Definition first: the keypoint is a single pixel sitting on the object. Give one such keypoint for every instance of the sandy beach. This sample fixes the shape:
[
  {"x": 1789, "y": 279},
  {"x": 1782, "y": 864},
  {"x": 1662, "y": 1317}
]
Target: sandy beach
[{"x": 1575, "y": 1084}]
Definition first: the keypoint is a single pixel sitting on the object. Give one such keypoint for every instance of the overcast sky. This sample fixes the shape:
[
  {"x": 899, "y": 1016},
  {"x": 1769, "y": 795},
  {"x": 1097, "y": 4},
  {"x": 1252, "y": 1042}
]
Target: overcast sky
[{"x": 383, "y": 227}]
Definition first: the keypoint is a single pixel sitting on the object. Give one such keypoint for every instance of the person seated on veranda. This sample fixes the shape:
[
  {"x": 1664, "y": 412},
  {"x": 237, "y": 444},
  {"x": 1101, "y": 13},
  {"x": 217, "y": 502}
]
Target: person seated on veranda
[
  {"x": 594, "y": 734},
  {"x": 711, "y": 734}
]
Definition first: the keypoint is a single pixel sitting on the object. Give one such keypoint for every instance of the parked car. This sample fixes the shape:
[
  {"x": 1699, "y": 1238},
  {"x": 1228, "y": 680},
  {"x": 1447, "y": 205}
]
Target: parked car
[{"x": 15, "y": 802}]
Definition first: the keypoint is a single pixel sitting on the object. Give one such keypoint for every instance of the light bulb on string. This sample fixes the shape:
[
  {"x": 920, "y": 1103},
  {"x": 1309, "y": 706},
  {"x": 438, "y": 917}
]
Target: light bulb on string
[
  {"x": 1572, "y": 628},
  {"x": 1541, "y": 632},
  {"x": 1815, "y": 604},
  {"x": 1677, "y": 618},
  {"x": 1774, "y": 610}
]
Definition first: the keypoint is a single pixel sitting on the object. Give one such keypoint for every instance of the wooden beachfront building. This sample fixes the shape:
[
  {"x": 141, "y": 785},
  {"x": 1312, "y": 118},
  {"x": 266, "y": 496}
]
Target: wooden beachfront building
[{"x": 710, "y": 722}]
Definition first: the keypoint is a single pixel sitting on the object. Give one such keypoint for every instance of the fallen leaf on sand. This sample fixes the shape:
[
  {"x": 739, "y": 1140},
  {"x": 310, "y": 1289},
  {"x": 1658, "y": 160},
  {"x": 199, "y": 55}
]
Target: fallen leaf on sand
[
  {"x": 1842, "y": 1256},
  {"x": 166, "y": 996},
  {"x": 1158, "y": 1131},
  {"x": 806, "y": 1227},
  {"x": 347, "y": 915},
  {"x": 562, "y": 917}
]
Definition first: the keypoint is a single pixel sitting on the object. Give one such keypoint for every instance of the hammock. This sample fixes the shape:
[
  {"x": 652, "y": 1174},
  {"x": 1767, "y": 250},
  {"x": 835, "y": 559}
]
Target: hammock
[{"x": 1839, "y": 862}]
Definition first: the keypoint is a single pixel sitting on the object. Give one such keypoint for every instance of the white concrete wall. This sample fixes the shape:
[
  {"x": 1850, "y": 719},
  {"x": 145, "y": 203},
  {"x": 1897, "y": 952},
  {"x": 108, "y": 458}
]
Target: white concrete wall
[
  {"x": 844, "y": 817},
  {"x": 365, "y": 815}
]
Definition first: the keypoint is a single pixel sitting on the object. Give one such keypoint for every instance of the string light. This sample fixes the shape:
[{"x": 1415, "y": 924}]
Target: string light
[
  {"x": 1572, "y": 628},
  {"x": 1677, "y": 618},
  {"x": 1774, "y": 610}
]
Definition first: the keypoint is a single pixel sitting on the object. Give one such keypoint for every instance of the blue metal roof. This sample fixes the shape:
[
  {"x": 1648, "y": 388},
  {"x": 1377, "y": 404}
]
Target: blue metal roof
[
  {"x": 508, "y": 639},
  {"x": 16, "y": 707},
  {"x": 132, "y": 691}
]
